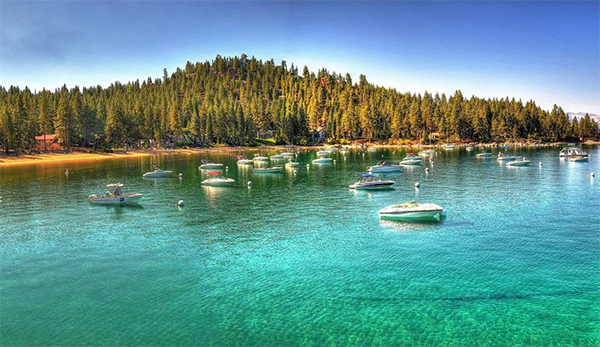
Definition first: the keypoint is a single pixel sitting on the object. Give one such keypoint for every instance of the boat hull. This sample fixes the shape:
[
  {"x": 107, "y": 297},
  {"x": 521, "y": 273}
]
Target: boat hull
[
  {"x": 245, "y": 162},
  {"x": 218, "y": 183},
  {"x": 268, "y": 170},
  {"x": 385, "y": 169},
  {"x": 411, "y": 162},
  {"x": 211, "y": 166},
  {"x": 518, "y": 163},
  {"x": 158, "y": 174},
  {"x": 323, "y": 161},
  {"x": 372, "y": 187},
  {"x": 117, "y": 200},
  {"x": 424, "y": 216}
]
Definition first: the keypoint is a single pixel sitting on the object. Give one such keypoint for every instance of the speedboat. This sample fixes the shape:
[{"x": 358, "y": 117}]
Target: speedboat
[
  {"x": 216, "y": 179},
  {"x": 292, "y": 164},
  {"x": 411, "y": 161},
  {"x": 274, "y": 169},
  {"x": 449, "y": 147},
  {"x": 157, "y": 173},
  {"x": 277, "y": 157},
  {"x": 579, "y": 158},
  {"x": 427, "y": 152},
  {"x": 207, "y": 165},
  {"x": 369, "y": 182},
  {"x": 323, "y": 153},
  {"x": 331, "y": 150},
  {"x": 384, "y": 167},
  {"x": 344, "y": 150},
  {"x": 519, "y": 162},
  {"x": 506, "y": 157},
  {"x": 484, "y": 155},
  {"x": 322, "y": 160},
  {"x": 287, "y": 154},
  {"x": 372, "y": 149},
  {"x": 117, "y": 197},
  {"x": 469, "y": 148},
  {"x": 259, "y": 157},
  {"x": 568, "y": 152},
  {"x": 242, "y": 160},
  {"x": 412, "y": 156},
  {"x": 413, "y": 211}
]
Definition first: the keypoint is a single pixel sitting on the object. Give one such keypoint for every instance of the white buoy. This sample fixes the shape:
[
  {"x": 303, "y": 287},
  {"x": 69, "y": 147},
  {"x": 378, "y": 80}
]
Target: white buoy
[
  {"x": 426, "y": 170},
  {"x": 180, "y": 175},
  {"x": 592, "y": 174},
  {"x": 334, "y": 161},
  {"x": 180, "y": 202},
  {"x": 307, "y": 166},
  {"x": 540, "y": 164},
  {"x": 295, "y": 172},
  {"x": 249, "y": 183},
  {"x": 67, "y": 172},
  {"x": 417, "y": 185},
  {"x": 226, "y": 167}
]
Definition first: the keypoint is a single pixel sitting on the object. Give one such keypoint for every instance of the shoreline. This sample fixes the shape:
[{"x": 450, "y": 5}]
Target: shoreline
[{"x": 82, "y": 156}]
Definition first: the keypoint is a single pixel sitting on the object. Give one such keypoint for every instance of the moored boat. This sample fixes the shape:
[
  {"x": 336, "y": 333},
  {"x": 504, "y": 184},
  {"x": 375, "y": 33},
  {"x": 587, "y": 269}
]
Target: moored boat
[
  {"x": 449, "y": 147},
  {"x": 277, "y": 157},
  {"x": 292, "y": 164},
  {"x": 207, "y": 165},
  {"x": 157, "y": 173},
  {"x": 216, "y": 179},
  {"x": 413, "y": 211},
  {"x": 274, "y": 169},
  {"x": 427, "y": 152},
  {"x": 242, "y": 160},
  {"x": 372, "y": 149},
  {"x": 508, "y": 157},
  {"x": 411, "y": 161},
  {"x": 287, "y": 154},
  {"x": 519, "y": 162},
  {"x": 384, "y": 167},
  {"x": 322, "y": 160},
  {"x": 568, "y": 152},
  {"x": 484, "y": 155},
  {"x": 115, "y": 198},
  {"x": 369, "y": 182},
  {"x": 258, "y": 157},
  {"x": 323, "y": 153}
]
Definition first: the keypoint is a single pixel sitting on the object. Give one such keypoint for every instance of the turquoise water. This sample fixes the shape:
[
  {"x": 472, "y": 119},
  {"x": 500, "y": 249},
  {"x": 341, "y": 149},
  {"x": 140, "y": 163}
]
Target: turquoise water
[{"x": 301, "y": 259}]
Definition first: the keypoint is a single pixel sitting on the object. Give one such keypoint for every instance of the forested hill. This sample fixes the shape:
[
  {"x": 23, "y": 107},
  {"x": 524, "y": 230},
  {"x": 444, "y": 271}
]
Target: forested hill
[{"x": 239, "y": 100}]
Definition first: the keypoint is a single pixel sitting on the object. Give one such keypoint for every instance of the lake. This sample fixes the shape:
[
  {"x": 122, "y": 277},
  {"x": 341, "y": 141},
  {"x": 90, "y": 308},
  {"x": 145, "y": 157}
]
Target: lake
[{"x": 300, "y": 259}]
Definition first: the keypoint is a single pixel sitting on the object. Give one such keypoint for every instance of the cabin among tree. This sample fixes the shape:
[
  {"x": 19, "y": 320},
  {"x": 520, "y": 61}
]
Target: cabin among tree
[{"x": 47, "y": 142}]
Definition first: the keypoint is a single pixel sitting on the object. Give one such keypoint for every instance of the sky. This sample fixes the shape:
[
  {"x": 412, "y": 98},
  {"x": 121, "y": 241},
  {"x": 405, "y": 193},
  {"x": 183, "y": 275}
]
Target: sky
[{"x": 539, "y": 50}]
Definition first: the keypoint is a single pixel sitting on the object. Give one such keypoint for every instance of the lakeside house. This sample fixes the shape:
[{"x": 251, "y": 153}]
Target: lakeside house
[{"x": 47, "y": 142}]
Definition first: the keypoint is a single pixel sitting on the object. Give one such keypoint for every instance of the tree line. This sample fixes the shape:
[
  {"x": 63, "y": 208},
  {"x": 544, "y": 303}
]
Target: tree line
[{"x": 241, "y": 101}]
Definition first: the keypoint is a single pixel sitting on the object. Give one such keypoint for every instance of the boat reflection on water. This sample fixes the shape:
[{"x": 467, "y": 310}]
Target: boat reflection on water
[
  {"x": 116, "y": 209},
  {"x": 395, "y": 226}
]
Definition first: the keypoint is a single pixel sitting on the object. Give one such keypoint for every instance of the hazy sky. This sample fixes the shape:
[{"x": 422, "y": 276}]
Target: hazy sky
[{"x": 545, "y": 51}]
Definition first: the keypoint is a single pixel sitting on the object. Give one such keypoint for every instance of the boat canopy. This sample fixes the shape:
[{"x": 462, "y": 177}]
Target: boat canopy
[
  {"x": 115, "y": 185},
  {"x": 367, "y": 175}
]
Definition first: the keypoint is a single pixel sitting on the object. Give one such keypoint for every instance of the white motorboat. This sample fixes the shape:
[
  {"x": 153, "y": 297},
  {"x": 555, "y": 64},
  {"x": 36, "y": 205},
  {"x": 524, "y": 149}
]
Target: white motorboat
[
  {"x": 157, "y": 173},
  {"x": 259, "y": 157},
  {"x": 449, "y": 147},
  {"x": 519, "y": 162},
  {"x": 427, "y": 152},
  {"x": 470, "y": 148},
  {"x": 384, "y": 167},
  {"x": 413, "y": 157},
  {"x": 277, "y": 157},
  {"x": 207, "y": 165},
  {"x": 484, "y": 155},
  {"x": 344, "y": 150},
  {"x": 369, "y": 182},
  {"x": 331, "y": 150},
  {"x": 568, "y": 152},
  {"x": 287, "y": 154},
  {"x": 372, "y": 149},
  {"x": 507, "y": 157},
  {"x": 292, "y": 164},
  {"x": 411, "y": 161},
  {"x": 323, "y": 153},
  {"x": 116, "y": 198},
  {"x": 216, "y": 179},
  {"x": 242, "y": 160},
  {"x": 274, "y": 169},
  {"x": 579, "y": 158},
  {"x": 322, "y": 160},
  {"x": 413, "y": 211}
]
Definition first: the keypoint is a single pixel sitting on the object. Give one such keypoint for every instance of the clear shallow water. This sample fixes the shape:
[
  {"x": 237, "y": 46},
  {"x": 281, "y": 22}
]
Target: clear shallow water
[{"x": 301, "y": 259}]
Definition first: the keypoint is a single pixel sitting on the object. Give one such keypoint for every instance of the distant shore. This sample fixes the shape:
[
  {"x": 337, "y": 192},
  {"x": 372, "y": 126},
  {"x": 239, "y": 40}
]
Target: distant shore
[{"x": 82, "y": 156}]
